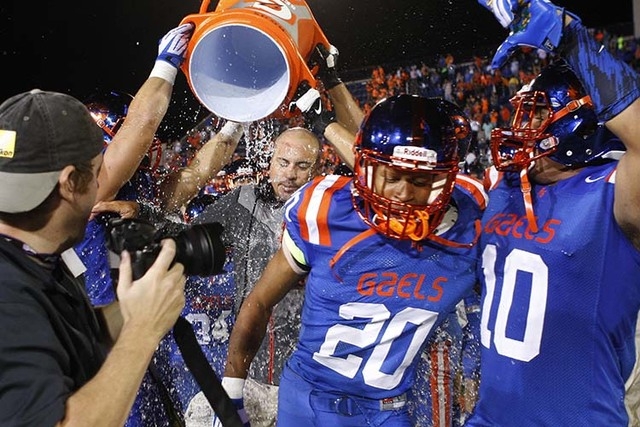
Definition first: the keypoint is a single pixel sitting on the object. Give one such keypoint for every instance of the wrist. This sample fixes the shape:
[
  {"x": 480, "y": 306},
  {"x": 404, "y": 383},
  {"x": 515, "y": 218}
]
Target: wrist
[
  {"x": 232, "y": 130},
  {"x": 234, "y": 387},
  {"x": 331, "y": 80},
  {"x": 164, "y": 70}
]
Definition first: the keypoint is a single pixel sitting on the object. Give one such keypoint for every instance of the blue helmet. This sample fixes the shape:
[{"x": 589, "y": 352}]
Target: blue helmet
[
  {"x": 197, "y": 205},
  {"x": 239, "y": 172},
  {"x": 554, "y": 117},
  {"x": 409, "y": 134}
]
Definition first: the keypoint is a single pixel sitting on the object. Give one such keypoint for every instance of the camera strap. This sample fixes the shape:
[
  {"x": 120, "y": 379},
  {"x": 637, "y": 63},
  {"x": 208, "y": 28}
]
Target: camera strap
[
  {"x": 204, "y": 375},
  {"x": 175, "y": 418}
]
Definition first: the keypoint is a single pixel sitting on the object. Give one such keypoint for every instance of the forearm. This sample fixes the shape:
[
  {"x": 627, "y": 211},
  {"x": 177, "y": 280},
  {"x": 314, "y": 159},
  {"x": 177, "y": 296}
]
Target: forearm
[
  {"x": 614, "y": 88},
  {"x": 131, "y": 143},
  {"x": 612, "y": 84},
  {"x": 277, "y": 279},
  {"x": 107, "y": 399},
  {"x": 347, "y": 111},
  {"x": 342, "y": 140},
  {"x": 183, "y": 185},
  {"x": 246, "y": 338}
]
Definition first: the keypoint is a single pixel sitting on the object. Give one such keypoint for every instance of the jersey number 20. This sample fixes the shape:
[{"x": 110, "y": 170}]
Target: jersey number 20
[{"x": 370, "y": 336}]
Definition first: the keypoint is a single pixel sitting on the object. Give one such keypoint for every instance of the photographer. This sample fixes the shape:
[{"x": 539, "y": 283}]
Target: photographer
[{"x": 52, "y": 345}]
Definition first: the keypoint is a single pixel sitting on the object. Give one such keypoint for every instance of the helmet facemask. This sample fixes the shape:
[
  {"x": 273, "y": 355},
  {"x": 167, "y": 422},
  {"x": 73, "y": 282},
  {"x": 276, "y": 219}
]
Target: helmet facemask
[
  {"x": 531, "y": 134},
  {"x": 398, "y": 219},
  {"x": 414, "y": 143},
  {"x": 553, "y": 117}
]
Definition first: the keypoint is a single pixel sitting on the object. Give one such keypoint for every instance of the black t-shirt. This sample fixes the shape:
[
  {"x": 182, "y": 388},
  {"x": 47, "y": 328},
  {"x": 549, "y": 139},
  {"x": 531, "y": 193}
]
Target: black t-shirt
[{"x": 51, "y": 343}]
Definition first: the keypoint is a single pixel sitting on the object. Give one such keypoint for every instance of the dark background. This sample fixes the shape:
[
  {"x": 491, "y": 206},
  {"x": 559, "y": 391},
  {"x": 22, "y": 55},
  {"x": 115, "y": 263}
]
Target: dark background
[{"x": 78, "y": 47}]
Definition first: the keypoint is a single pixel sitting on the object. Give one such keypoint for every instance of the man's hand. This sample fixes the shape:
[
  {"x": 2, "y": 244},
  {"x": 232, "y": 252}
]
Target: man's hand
[
  {"x": 171, "y": 51},
  {"x": 154, "y": 301},
  {"x": 173, "y": 45},
  {"x": 326, "y": 60},
  {"x": 320, "y": 119},
  {"x": 124, "y": 208},
  {"x": 235, "y": 389},
  {"x": 503, "y": 10},
  {"x": 306, "y": 99},
  {"x": 533, "y": 23}
]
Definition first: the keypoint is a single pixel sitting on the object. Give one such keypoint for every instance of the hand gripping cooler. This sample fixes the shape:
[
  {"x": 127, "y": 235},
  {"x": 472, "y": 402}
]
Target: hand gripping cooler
[{"x": 246, "y": 59}]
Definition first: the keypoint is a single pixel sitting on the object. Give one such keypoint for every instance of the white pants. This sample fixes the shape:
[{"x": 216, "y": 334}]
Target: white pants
[{"x": 261, "y": 403}]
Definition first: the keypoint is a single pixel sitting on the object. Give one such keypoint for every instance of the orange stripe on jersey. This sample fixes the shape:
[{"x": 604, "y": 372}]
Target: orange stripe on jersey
[
  {"x": 611, "y": 179},
  {"x": 474, "y": 187},
  {"x": 351, "y": 243},
  {"x": 313, "y": 212},
  {"x": 323, "y": 211}
]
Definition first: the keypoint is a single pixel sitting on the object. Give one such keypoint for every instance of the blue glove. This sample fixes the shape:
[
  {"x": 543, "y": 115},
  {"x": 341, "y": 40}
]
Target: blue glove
[
  {"x": 501, "y": 9},
  {"x": 174, "y": 44},
  {"x": 534, "y": 23},
  {"x": 241, "y": 413}
]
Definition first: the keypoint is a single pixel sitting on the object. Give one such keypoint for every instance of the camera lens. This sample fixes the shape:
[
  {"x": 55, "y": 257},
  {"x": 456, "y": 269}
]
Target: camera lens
[{"x": 200, "y": 250}]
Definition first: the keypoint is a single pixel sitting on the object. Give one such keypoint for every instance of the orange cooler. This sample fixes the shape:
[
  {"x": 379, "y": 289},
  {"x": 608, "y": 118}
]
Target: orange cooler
[{"x": 246, "y": 59}]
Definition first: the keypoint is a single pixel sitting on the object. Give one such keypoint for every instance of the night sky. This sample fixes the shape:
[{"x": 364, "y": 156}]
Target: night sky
[{"x": 79, "y": 47}]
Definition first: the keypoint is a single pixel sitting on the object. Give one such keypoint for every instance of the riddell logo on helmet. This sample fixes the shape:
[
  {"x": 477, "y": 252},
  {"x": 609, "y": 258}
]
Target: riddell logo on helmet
[
  {"x": 415, "y": 153},
  {"x": 7, "y": 143}
]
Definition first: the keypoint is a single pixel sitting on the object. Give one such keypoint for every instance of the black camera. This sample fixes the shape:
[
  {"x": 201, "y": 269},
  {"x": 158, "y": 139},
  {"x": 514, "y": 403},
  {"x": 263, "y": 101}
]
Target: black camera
[{"x": 199, "y": 248}]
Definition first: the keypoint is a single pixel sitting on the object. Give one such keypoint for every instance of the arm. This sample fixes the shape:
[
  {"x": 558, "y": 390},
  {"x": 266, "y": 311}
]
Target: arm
[
  {"x": 342, "y": 140},
  {"x": 471, "y": 352},
  {"x": 612, "y": 84},
  {"x": 249, "y": 330},
  {"x": 627, "y": 191},
  {"x": 615, "y": 90},
  {"x": 124, "y": 208},
  {"x": 347, "y": 111},
  {"x": 341, "y": 125},
  {"x": 150, "y": 104},
  {"x": 149, "y": 307},
  {"x": 182, "y": 185}
]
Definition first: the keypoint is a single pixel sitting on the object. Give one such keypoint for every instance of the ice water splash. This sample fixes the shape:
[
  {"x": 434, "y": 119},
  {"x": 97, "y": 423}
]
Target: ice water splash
[{"x": 258, "y": 138}]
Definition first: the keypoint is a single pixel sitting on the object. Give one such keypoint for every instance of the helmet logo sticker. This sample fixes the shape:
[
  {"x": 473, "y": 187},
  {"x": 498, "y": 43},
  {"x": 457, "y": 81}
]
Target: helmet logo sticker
[{"x": 409, "y": 152}]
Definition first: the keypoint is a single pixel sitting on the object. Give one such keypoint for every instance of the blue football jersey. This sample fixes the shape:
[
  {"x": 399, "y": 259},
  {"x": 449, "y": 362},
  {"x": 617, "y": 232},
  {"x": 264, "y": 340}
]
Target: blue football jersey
[
  {"x": 93, "y": 249},
  {"x": 209, "y": 308},
  {"x": 371, "y": 301},
  {"x": 559, "y": 307}
]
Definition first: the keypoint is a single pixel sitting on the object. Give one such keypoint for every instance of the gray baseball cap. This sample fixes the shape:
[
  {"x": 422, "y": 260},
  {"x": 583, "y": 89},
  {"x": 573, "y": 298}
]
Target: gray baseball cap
[{"x": 40, "y": 133}]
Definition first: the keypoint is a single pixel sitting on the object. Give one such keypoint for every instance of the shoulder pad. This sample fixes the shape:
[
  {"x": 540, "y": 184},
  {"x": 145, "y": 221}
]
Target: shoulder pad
[{"x": 472, "y": 188}]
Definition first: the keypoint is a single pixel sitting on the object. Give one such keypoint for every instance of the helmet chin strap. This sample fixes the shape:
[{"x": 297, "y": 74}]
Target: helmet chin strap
[{"x": 525, "y": 188}]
